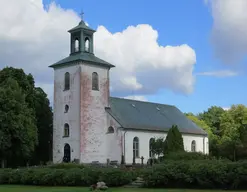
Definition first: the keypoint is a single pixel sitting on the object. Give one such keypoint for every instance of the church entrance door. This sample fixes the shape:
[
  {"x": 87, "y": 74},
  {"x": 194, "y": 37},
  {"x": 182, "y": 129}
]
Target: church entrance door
[{"x": 67, "y": 155}]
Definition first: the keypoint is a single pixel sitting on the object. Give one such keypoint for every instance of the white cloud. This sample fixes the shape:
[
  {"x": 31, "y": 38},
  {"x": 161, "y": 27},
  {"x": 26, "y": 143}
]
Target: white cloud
[
  {"x": 222, "y": 73},
  {"x": 137, "y": 97},
  {"x": 226, "y": 108},
  {"x": 33, "y": 37},
  {"x": 229, "y": 33}
]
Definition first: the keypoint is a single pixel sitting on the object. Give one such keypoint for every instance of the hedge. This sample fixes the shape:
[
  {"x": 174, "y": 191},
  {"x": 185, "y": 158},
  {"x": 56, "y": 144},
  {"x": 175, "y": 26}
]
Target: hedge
[
  {"x": 65, "y": 177},
  {"x": 207, "y": 174}
]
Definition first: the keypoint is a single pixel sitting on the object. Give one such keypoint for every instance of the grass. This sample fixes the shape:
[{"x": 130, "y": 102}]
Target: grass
[{"x": 13, "y": 188}]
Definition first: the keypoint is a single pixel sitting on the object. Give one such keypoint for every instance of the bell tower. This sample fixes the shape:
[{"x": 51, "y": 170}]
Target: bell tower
[
  {"x": 81, "y": 93},
  {"x": 81, "y": 39}
]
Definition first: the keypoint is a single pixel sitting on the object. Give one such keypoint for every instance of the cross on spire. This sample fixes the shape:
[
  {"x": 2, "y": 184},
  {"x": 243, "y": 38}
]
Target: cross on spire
[{"x": 81, "y": 14}]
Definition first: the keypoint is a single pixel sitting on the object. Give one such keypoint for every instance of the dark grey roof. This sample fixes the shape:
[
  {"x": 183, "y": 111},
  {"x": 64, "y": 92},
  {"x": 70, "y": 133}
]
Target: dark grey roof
[
  {"x": 80, "y": 26},
  {"x": 132, "y": 114},
  {"x": 83, "y": 56}
]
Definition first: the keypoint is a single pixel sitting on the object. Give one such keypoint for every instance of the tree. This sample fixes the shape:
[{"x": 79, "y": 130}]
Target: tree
[
  {"x": 174, "y": 141},
  {"x": 157, "y": 146},
  {"x": 43, "y": 112},
  {"x": 213, "y": 139},
  {"x": 40, "y": 109},
  {"x": 212, "y": 118},
  {"x": 18, "y": 131},
  {"x": 233, "y": 126},
  {"x": 200, "y": 123}
]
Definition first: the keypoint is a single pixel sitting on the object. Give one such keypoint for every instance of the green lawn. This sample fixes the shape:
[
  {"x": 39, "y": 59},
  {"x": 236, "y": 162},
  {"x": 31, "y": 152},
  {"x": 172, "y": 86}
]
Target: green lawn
[{"x": 12, "y": 188}]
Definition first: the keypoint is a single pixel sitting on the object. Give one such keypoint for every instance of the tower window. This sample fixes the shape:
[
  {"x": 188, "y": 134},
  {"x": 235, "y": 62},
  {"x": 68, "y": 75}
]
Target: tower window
[
  {"x": 77, "y": 45},
  {"x": 87, "y": 44},
  {"x": 66, "y": 109},
  {"x": 66, "y": 130},
  {"x": 95, "y": 81},
  {"x": 110, "y": 130},
  {"x": 66, "y": 81}
]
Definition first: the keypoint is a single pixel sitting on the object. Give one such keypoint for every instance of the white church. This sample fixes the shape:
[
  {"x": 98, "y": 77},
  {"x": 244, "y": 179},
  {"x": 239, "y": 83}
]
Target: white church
[{"x": 90, "y": 126}]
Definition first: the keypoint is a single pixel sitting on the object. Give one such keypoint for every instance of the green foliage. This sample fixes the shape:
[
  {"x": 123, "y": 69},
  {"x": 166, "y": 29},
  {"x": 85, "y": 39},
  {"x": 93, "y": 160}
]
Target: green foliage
[
  {"x": 65, "y": 177},
  {"x": 18, "y": 129},
  {"x": 201, "y": 123},
  {"x": 43, "y": 113},
  {"x": 174, "y": 141},
  {"x": 66, "y": 166},
  {"x": 40, "y": 112},
  {"x": 157, "y": 146},
  {"x": 212, "y": 118},
  {"x": 210, "y": 174},
  {"x": 227, "y": 130},
  {"x": 178, "y": 156}
]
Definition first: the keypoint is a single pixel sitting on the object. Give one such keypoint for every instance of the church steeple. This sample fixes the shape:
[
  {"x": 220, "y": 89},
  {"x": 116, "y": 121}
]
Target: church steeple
[{"x": 81, "y": 39}]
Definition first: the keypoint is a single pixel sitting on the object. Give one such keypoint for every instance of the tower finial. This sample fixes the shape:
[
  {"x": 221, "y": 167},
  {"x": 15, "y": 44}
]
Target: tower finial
[{"x": 81, "y": 14}]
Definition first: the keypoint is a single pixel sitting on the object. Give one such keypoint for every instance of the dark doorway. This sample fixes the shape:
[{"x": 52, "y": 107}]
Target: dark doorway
[{"x": 66, "y": 157}]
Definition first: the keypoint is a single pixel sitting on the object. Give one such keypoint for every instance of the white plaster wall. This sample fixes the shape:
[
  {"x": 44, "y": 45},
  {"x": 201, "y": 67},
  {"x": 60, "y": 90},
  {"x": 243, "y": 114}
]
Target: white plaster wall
[
  {"x": 114, "y": 140},
  {"x": 71, "y": 98},
  {"x": 93, "y": 114},
  {"x": 145, "y": 136}
]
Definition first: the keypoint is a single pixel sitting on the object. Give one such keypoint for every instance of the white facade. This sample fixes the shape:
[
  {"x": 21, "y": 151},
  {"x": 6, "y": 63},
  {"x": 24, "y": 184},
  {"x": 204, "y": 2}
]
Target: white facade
[
  {"x": 201, "y": 143},
  {"x": 71, "y": 98}
]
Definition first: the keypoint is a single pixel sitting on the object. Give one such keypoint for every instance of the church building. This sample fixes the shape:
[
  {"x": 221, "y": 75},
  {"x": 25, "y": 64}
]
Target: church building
[{"x": 90, "y": 126}]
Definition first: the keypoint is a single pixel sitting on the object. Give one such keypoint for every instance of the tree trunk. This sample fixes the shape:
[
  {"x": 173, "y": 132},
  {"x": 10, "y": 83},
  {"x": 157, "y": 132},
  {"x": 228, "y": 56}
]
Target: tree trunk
[
  {"x": 234, "y": 154},
  {"x": 2, "y": 163}
]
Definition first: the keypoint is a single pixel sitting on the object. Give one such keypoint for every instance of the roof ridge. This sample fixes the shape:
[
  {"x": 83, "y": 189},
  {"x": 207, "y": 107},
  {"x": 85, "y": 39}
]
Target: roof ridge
[{"x": 143, "y": 101}]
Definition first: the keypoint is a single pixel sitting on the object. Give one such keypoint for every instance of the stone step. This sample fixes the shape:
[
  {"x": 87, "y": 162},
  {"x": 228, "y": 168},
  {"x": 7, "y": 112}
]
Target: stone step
[{"x": 135, "y": 184}]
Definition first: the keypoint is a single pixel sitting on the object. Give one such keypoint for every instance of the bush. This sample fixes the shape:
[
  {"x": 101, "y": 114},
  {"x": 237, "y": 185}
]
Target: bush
[
  {"x": 65, "y": 177},
  {"x": 66, "y": 166},
  {"x": 178, "y": 156},
  {"x": 210, "y": 174}
]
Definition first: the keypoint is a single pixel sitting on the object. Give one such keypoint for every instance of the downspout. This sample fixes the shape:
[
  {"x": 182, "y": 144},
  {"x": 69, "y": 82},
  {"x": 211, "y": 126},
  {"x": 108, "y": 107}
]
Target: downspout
[
  {"x": 123, "y": 151},
  {"x": 204, "y": 145}
]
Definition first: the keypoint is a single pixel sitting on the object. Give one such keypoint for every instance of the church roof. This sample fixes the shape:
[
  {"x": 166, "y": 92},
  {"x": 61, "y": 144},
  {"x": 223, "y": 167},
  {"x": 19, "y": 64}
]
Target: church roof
[
  {"x": 139, "y": 115},
  {"x": 83, "y": 56}
]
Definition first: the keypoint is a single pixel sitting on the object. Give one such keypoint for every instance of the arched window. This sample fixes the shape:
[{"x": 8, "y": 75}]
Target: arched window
[
  {"x": 77, "y": 45},
  {"x": 110, "y": 130},
  {"x": 87, "y": 44},
  {"x": 193, "y": 146},
  {"x": 66, "y": 81},
  {"x": 136, "y": 147},
  {"x": 66, "y": 109},
  {"x": 67, "y": 153},
  {"x": 151, "y": 144},
  {"x": 95, "y": 81},
  {"x": 66, "y": 130}
]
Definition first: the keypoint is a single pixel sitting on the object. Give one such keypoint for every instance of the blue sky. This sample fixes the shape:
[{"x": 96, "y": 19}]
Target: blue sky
[
  {"x": 177, "y": 22},
  {"x": 217, "y": 36}
]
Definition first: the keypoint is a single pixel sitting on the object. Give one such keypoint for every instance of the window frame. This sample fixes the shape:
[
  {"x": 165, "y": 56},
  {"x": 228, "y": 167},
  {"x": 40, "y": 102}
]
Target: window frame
[
  {"x": 66, "y": 130},
  {"x": 66, "y": 81},
  {"x": 136, "y": 147},
  {"x": 193, "y": 146},
  {"x": 95, "y": 81}
]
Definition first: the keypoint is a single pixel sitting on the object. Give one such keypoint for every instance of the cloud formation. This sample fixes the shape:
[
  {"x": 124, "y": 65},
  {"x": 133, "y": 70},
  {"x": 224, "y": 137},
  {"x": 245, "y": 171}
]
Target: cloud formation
[
  {"x": 222, "y": 73},
  {"x": 229, "y": 33},
  {"x": 33, "y": 36},
  {"x": 136, "y": 97}
]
